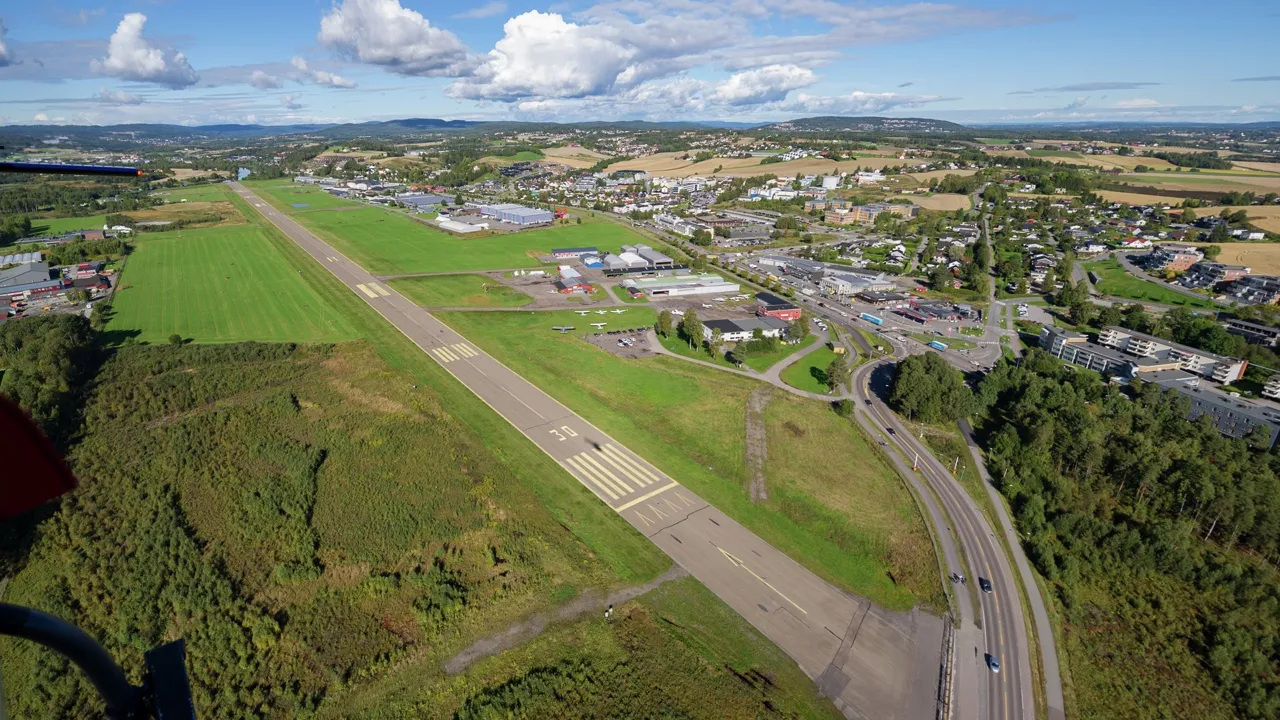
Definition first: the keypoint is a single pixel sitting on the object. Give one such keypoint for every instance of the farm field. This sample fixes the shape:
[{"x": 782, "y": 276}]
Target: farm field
[
  {"x": 1261, "y": 258},
  {"x": 57, "y": 226},
  {"x": 458, "y": 291},
  {"x": 189, "y": 173},
  {"x": 1139, "y": 198},
  {"x": 385, "y": 242},
  {"x": 804, "y": 373},
  {"x": 925, "y": 177},
  {"x": 1117, "y": 282},
  {"x": 690, "y": 422},
  {"x": 522, "y": 156},
  {"x": 219, "y": 285},
  {"x": 1204, "y": 181},
  {"x": 573, "y": 156},
  {"x": 942, "y": 201},
  {"x": 1272, "y": 167},
  {"x": 195, "y": 193},
  {"x": 1266, "y": 217}
]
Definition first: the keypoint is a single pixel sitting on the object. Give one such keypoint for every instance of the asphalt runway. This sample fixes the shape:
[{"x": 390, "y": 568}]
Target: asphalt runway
[{"x": 871, "y": 662}]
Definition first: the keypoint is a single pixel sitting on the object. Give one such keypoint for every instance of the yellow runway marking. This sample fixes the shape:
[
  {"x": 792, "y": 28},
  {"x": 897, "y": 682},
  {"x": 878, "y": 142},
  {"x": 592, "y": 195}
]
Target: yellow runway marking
[
  {"x": 646, "y": 496},
  {"x": 465, "y": 350},
  {"x": 571, "y": 462},
  {"x": 379, "y": 289},
  {"x": 586, "y": 458},
  {"x": 444, "y": 354},
  {"x": 364, "y": 289},
  {"x": 637, "y": 470}
]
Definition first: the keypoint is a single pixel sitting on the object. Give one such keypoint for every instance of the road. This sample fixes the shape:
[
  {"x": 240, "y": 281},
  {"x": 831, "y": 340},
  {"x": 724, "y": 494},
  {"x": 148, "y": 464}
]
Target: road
[
  {"x": 871, "y": 662},
  {"x": 1127, "y": 263}
]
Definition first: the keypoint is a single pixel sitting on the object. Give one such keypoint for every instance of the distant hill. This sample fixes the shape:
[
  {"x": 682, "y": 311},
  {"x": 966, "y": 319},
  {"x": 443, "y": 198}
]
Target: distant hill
[{"x": 835, "y": 123}]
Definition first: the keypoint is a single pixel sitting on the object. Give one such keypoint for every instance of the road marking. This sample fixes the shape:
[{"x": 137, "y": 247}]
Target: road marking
[
  {"x": 638, "y": 471},
  {"x": 573, "y": 464},
  {"x": 465, "y": 350},
  {"x": 444, "y": 354},
  {"x": 332, "y": 259},
  {"x": 646, "y": 496},
  {"x": 364, "y": 289},
  {"x": 379, "y": 289},
  {"x": 738, "y": 563}
]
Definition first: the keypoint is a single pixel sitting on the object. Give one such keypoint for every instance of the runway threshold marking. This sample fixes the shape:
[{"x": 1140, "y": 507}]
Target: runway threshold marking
[
  {"x": 443, "y": 354},
  {"x": 379, "y": 289},
  {"x": 465, "y": 350},
  {"x": 365, "y": 289}
]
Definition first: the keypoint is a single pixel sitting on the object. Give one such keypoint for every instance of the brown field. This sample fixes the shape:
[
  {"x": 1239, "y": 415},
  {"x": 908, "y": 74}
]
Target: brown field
[
  {"x": 1204, "y": 181},
  {"x": 182, "y": 211},
  {"x": 942, "y": 201},
  {"x": 1261, "y": 258},
  {"x": 1273, "y": 167},
  {"x": 1109, "y": 162},
  {"x": 925, "y": 177},
  {"x": 1139, "y": 198},
  {"x": 188, "y": 173},
  {"x": 573, "y": 156},
  {"x": 671, "y": 165},
  {"x": 1266, "y": 217}
]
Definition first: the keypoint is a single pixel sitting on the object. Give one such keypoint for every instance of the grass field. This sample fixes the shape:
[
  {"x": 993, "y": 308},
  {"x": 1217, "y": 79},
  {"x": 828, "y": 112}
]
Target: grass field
[
  {"x": 195, "y": 193},
  {"x": 459, "y": 291},
  {"x": 804, "y": 374},
  {"x": 760, "y": 363},
  {"x": 690, "y": 422},
  {"x": 522, "y": 156},
  {"x": 289, "y": 194},
  {"x": 219, "y": 285},
  {"x": 1117, "y": 282},
  {"x": 57, "y": 226},
  {"x": 925, "y": 177},
  {"x": 953, "y": 342},
  {"x": 385, "y": 242},
  {"x": 626, "y": 297}
]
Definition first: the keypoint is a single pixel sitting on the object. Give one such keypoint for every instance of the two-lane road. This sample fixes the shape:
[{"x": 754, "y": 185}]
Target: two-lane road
[{"x": 871, "y": 662}]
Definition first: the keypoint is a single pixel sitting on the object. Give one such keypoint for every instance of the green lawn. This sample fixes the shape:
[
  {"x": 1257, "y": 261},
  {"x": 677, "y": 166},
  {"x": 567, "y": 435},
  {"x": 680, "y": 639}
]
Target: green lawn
[
  {"x": 1116, "y": 281},
  {"x": 678, "y": 346},
  {"x": 690, "y": 421},
  {"x": 386, "y": 242},
  {"x": 196, "y": 193},
  {"x": 760, "y": 363},
  {"x": 289, "y": 194},
  {"x": 57, "y": 226},
  {"x": 804, "y": 374},
  {"x": 219, "y": 285},
  {"x": 459, "y": 291},
  {"x": 953, "y": 342},
  {"x": 626, "y": 297}
]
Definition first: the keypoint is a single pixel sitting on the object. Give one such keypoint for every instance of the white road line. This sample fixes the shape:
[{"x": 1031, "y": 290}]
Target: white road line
[
  {"x": 586, "y": 457},
  {"x": 623, "y": 469},
  {"x": 638, "y": 468},
  {"x": 646, "y": 496},
  {"x": 574, "y": 469},
  {"x": 364, "y": 289}
]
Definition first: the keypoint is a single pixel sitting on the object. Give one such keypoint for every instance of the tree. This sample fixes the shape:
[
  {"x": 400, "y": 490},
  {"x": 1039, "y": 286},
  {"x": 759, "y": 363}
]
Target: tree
[
  {"x": 1050, "y": 282},
  {"x": 1188, "y": 216},
  {"x": 799, "y": 329},
  {"x": 1081, "y": 311},
  {"x": 930, "y": 389},
  {"x": 843, "y": 408},
  {"x": 1211, "y": 251},
  {"x": 715, "y": 344},
  {"x": 723, "y": 232},
  {"x": 837, "y": 372},
  {"x": 691, "y": 328},
  {"x": 1110, "y": 316},
  {"x": 175, "y": 339},
  {"x": 701, "y": 238},
  {"x": 940, "y": 278},
  {"x": 663, "y": 326},
  {"x": 1219, "y": 233}
]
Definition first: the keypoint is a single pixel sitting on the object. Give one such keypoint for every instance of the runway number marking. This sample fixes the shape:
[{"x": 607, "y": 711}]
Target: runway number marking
[{"x": 563, "y": 432}]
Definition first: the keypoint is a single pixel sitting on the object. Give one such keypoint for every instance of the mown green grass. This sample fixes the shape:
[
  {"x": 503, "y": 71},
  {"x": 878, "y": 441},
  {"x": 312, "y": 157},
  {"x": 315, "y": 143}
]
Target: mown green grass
[
  {"x": 57, "y": 226},
  {"x": 459, "y": 291},
  {"x": 196, "y": 193},
  {"x": 219, "y": 285},
  {"x": 626, "y": 297},
  {"x": 804, "y": 374},
  {"x": 690, "y": 422},
  {"x": 385, "y": 242},
  {"x": 952, "y": 342},
  {"x": 760, "y": 363},
  {"x": 1116, "y": 281}
]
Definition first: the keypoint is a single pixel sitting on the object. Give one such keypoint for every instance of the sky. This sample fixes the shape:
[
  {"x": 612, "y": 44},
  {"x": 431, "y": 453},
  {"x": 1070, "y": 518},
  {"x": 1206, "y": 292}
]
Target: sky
[{"x": 276, "y": 62}]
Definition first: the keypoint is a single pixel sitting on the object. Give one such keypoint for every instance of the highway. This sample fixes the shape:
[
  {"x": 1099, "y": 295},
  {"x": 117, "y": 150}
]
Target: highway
[{"x": 871, "y": 662}]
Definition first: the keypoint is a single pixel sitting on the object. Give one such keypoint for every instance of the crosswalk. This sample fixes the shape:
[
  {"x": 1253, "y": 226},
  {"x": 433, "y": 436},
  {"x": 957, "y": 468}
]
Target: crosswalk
[
  {"x": 617, "y": 475},
  {"x": 456, "y": 351}
]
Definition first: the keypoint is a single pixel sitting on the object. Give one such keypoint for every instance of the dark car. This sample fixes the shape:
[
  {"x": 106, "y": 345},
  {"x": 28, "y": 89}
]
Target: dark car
[
  {"x": 984, "y": 585},
  {"x": 868, "y": 402},
  {"x": 891, "y": 431},
  {"x": 993, "y": 662}
]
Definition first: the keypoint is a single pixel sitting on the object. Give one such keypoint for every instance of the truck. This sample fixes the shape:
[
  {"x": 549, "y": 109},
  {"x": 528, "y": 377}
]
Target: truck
[
  {"x": 937, "y": 345},
  {"x": 807, "y": 291},
  {"x": 871, "y": 319}
]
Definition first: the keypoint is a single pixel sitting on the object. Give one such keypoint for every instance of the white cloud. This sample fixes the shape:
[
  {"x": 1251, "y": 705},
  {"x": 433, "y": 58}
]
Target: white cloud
[
  {"x": 41, "y": 117},
  {"x": 132, "y": 57},
  {"x": 767, "y": 84},
  {"x": 1076, "y": 104},
  {"x": 320, "y": 77},
  {"x": 856, "y": 103},
  {"x": 1139, "y": 103},
  {"x": 116, "y": 97},
  {"x": 263, "y": 81},
  {"x": 6, "y": 57},
  {"x": 290, "y": 101},
  {"x": 489, "y": 9},
  {"x": 383, "y": 33}
]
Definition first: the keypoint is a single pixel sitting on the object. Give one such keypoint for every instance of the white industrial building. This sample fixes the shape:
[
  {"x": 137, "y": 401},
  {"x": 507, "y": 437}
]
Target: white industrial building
[
  {"x": 517, "y": 214},
  {"x": 851, "y": 284},
  {"x": 744, "y": 329},
  {"x": 672, "y": 285}
]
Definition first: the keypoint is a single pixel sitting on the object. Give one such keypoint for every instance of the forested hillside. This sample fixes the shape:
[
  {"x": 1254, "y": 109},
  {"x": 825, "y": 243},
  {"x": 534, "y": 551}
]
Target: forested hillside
[{"x": 1159, "y": 536}]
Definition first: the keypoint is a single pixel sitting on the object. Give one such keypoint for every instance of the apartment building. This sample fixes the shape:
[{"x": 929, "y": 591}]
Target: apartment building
[{"x": 1205, "y": 364}]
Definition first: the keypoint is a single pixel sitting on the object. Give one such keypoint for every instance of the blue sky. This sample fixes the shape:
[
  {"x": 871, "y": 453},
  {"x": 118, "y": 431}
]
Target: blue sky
[{"x": 286, "y": 61}]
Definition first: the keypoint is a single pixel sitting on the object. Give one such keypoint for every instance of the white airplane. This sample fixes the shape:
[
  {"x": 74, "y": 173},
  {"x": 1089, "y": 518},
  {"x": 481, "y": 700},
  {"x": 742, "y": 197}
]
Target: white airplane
[
  {"x": 583, "y": 313},
  {"x": 618, "y": 312},
  {"x": 601, "y": 312},
  {"x": 707, "y": 305},
  {"x": 562, "y": 328},
  {"x": 598, "y": 325}
]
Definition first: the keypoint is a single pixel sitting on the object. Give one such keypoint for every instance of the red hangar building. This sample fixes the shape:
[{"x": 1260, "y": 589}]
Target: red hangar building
[{"x": 773, "y": 306}]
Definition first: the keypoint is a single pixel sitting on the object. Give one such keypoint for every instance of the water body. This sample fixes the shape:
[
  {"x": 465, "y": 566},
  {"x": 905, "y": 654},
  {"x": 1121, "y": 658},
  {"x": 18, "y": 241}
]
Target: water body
[{"x": 243, "y": 173}]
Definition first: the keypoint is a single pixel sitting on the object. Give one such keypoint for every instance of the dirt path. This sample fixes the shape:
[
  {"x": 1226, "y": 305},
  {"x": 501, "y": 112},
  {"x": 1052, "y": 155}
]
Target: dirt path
[
  {"x": 757, "y": 442},
  {"x": 590, "y": 601}
]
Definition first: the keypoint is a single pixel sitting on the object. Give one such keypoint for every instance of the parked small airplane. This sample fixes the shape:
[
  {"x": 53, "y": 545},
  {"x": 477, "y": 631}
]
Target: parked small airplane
[
  {"x": 618, "y": 312},
  {"x": 598, "y": 325},
  {"x": 583, "y": 313},
  {"x": 601, "y": 312},
  {"x": 562, "y": 328}
]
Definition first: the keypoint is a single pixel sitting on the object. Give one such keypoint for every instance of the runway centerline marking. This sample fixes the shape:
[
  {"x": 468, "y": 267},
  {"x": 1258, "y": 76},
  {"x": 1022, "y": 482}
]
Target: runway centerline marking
[{"x": 738, "y": 563}]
